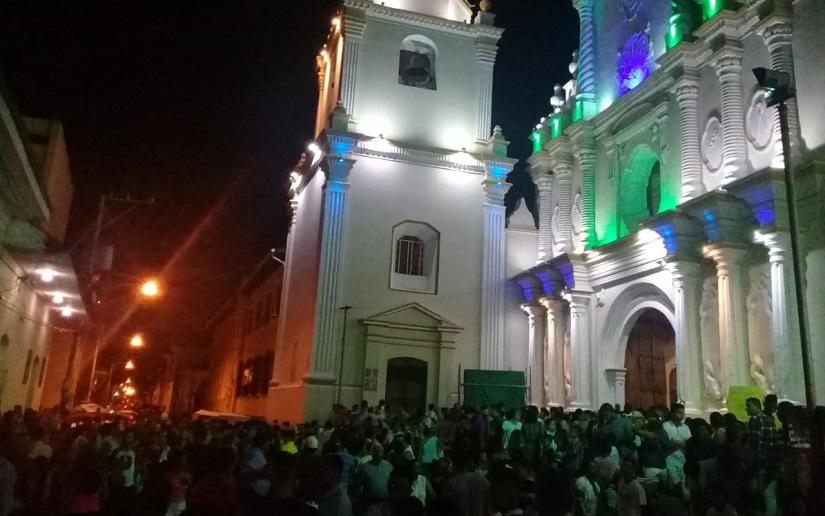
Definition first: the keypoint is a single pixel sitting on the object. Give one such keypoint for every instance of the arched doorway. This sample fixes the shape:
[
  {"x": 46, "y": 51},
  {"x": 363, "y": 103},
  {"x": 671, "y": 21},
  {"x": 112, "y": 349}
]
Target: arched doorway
[
  {"x": 649, "y": 359},
  {"x": 406, "y": 384}
]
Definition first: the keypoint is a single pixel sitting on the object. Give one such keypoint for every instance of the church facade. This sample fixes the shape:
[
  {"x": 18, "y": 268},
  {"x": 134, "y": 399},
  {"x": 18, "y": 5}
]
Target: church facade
[
  {"x": 660, "y": 269},
  {"x": 663, "y": 267},
  {"x": 396, "y": 271}
]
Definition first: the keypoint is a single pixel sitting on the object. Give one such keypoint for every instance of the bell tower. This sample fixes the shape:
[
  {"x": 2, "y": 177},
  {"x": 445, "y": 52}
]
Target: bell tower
[{"x": 413, "y": 71}]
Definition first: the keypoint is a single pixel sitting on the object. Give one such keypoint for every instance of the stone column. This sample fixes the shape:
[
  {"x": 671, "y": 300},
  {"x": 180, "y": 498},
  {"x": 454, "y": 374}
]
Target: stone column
[
  {"x": 486, "y": 58},
  {"x": 616, "y": 380},
  {"x": 587, "y": 159},
  {"x": 785, "y": 319},
  {"x": 544, "y": 186},
  {"x": 536, "y": 316},
  {"x": 563, "y": 171},
  {"x": 779, "y": 40},
  {"x": 554, "y": 351},
  {"x": 354, "y": 23},
  {"x": 587, "y": 50},
  {"x": 494, "y": 266},
  {"x": 582, "y": 371},
  {"x": 687, "y": 292},
  {"x": 326, "y": 337},
  {"x": 729, "y": 70},
  {"x": 686, "y": 91},
  {"x": 733, "y": 315}
]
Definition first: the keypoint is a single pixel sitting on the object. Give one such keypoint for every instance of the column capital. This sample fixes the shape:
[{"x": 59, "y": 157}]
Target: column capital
[
  {"x": 778, "y": 244},
  {"x": 486, "y": 53},
  {"x": 728, "y": 62},
  {"x": 552, "y": 305},
  {"x": 337, "y": 169},
  {"x": 777, "y": 32},
  {"x": 543, "y": 182},
  {"x": 686, "y": 88},
  {"x": 355, "y": 22},
  {"x": 725, "y": 256},
  {"x": 534, "y": 310},
  {"x": 494, "y": 190},
  {"x": 579, "y": 300},
  {"x": 684, "y": 270}
]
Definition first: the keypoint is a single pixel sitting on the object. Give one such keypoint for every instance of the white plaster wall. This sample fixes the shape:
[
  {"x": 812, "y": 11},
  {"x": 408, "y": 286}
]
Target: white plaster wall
[
  {"x": 25, "y": 318},
  {"x": 809, "y": 59},
  {"x": 444, "y": 118},
  {"x": 447, "y": 9},
  {"x": 816, "y": 317},
  {"x": 298, "y": 315},
  {"x": 383, "y": 194}
]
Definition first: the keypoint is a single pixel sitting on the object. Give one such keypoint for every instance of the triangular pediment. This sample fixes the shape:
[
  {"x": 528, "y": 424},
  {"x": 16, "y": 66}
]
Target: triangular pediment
[{"x": 412, "y": 316}]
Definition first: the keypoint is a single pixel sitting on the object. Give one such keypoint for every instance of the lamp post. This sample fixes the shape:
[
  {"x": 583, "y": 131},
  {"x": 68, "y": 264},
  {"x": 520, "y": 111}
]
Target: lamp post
[{"x": 779, "y": 89}]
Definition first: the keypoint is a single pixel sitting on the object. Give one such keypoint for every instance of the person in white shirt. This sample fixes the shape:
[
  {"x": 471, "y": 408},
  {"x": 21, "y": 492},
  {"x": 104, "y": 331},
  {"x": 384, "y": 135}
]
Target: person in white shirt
[
  {"x": 678, "y": 433},
  {"x": 587, "y": 492},
  {"x": 511, "y": 424},
  {"x": 37, "y": 445}
]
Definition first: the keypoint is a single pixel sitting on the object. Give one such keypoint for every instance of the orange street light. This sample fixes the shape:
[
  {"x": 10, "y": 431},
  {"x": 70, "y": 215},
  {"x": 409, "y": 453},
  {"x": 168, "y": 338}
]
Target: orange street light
[
  {"x": 130, "y": 364},
  {"x": 150, "y": 289},
  {"x": 136, "y": 341}
]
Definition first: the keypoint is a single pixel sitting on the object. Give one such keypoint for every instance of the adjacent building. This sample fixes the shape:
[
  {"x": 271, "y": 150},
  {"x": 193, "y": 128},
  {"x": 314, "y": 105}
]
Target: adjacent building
[
  {"x": 243, "y": 334},
  {"x": 41, "y": 311}
]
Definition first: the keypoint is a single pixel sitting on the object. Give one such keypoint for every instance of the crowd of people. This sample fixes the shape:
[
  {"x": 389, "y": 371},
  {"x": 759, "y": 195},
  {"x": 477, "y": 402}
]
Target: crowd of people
[{"x": 380, "y": 461}]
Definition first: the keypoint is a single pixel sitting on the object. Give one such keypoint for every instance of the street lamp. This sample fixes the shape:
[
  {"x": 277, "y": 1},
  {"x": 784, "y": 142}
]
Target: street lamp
[
  {"x": 778, "y": 90},
  {"x": 150, "y": 288},
  {"x": 130, "y": 365},
  {"x": 136, "y": 341}
]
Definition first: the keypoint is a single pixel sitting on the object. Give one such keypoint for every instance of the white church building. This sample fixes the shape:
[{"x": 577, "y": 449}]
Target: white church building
[{"x": 660, "y": 269}]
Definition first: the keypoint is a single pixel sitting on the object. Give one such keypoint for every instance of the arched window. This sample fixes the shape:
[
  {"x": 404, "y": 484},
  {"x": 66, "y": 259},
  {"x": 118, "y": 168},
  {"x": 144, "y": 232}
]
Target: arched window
[
  {"x": 416, "y": 63},
  {"x": 28, "y": 368},
  {"x": 414, "y": 257},
  {"x": 409, "y": 256}
]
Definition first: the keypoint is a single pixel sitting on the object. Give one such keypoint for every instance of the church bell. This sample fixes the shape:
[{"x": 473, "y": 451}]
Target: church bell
[{"x": 418, "y": 70}]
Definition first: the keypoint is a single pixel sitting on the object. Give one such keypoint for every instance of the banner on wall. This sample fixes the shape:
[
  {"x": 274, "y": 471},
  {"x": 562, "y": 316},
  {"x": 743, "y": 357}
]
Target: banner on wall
[
  {"x": 737, "y": 396},
  {"x": 490, "y": 387}
]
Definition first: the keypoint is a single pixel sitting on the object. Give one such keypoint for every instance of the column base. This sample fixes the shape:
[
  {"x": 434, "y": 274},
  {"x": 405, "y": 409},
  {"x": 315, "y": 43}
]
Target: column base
[{"x": 693, "y": 409}]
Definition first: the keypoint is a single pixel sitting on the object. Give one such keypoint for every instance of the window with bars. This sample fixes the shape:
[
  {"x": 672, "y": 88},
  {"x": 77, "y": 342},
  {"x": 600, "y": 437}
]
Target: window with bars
[{"x": 409, "y": 256}]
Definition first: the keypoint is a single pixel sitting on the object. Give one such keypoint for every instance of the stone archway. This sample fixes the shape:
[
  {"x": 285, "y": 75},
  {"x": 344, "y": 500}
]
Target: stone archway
[
  {"x": 621, "y": 318},
  {"x": 650, "y": 353}
]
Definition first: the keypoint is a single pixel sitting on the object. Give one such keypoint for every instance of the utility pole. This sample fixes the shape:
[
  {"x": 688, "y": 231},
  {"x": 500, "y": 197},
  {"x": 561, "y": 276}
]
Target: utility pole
[
  {"x": 92, "y": 260},
  {"x": 346, "y": 310}
]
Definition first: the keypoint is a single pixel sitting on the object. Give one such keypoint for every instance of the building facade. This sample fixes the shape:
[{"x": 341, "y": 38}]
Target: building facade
[
  {"x": 662, "y": 267},
  {"x": 243, "y": 336},
  {"x": 40, "y": 304},
  {"x": 396, "y": 268}
]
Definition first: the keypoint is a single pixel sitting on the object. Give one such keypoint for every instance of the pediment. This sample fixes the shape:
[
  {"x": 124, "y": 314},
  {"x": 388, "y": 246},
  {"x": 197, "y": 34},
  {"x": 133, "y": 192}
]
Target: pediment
[{"x": 412, "y": 316}]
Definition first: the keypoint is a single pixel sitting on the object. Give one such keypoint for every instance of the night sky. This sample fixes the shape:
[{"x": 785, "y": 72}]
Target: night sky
[{"x": 205, "y": 107}]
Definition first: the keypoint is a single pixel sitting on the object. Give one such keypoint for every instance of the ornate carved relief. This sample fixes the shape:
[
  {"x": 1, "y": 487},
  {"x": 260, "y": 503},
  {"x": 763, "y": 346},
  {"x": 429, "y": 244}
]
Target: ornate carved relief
[
  {"x": 709, "y": 321},
  {"x": 759, "y": 120},
  {"x": 760, "y": 328},
  {"x": 712, "y": 147},
  {"x": 630, "y": 8},
  {"x": 576, "y": 222},
  {"x": 555, "y": 233},
  {"x": 635, "y": 62}
]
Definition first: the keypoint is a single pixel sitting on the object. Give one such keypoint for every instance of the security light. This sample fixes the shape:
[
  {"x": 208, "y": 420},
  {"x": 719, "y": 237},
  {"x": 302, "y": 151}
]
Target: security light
[{"x": 777, "y": 85}]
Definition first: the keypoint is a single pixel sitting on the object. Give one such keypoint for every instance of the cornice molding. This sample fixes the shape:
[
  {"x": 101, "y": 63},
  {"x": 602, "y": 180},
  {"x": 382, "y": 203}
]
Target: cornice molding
[{"x": 424, "y": 21}]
